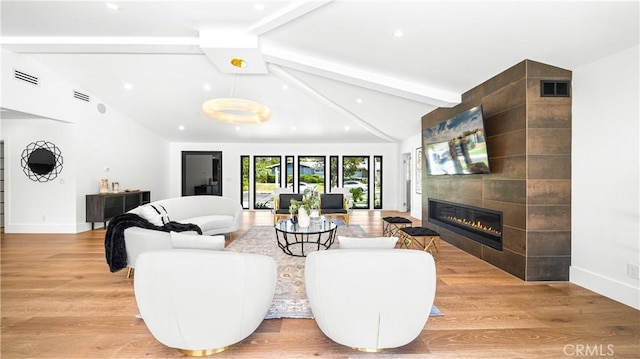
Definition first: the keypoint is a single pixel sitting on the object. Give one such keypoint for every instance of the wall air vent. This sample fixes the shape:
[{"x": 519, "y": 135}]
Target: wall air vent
[
  {"x": 82, "y": 97},
  {"x": 555, "y": 88},
  {"x": 23, "y": 76}
]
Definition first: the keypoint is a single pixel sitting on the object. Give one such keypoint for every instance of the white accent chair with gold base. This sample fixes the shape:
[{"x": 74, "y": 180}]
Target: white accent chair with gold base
[
  {"x": 361, "y": 298},
  {"x": 199, "y": 301}
]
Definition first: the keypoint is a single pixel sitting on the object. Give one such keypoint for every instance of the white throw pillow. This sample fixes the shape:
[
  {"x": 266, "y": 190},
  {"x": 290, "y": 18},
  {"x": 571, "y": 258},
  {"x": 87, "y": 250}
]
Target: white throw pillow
[
  {"x": 192, "y": 240},
  {"x": 367, "y": 242},
  {"x": 155, "y": 213}
]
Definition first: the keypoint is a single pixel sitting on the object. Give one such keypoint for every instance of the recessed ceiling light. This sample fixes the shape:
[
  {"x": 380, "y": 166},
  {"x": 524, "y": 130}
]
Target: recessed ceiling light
[
  {"x": 206, "y": 87},
  {"x": 293, "y": 128},
  {"x": 359, "y": 100},
  {"x": 128, "y": 86},
  {"x": 398, "y": 33},
  {"x": 346, "y": 128},
  {"x": 237, "y": 128},
  {"x": 181, "y": 128},
  {"x": 112, "y": 6},
  {"x": 285, "y": 87},
  {"x": 259, "y": 6}
]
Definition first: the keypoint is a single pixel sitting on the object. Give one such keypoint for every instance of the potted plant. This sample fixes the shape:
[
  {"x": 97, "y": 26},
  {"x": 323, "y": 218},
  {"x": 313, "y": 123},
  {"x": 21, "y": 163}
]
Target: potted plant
[
  {"x": 310, "y": 201},
  {"x": 357, "y": 194}
]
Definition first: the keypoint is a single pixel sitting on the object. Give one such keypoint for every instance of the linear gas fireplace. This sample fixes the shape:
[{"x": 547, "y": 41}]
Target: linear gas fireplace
[{"x": 480, "y": 224}]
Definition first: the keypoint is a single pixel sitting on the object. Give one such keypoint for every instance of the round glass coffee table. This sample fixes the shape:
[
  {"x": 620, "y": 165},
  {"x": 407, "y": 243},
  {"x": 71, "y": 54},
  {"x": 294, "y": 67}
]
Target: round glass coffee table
[{"x": 295, "y": 240}]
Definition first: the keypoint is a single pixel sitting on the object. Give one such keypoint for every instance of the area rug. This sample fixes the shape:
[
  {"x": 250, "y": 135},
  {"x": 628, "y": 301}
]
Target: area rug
[{"x": 290, "y": 299}]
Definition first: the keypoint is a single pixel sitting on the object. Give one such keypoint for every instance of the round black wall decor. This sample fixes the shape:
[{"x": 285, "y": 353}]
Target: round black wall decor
[{"x": 41, "y": 161}]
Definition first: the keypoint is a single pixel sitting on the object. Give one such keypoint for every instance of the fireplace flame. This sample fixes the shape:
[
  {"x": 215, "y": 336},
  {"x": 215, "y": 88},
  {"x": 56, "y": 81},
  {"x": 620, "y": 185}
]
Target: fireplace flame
[{"x": 475, "y": 225}]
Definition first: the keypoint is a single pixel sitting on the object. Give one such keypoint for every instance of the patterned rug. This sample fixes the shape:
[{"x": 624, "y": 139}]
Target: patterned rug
[{"x": 290, "y": 299}]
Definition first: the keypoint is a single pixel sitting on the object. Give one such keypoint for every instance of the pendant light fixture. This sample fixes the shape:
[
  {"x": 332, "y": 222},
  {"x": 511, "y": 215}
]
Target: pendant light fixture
[{"x": 236, "y": 110}]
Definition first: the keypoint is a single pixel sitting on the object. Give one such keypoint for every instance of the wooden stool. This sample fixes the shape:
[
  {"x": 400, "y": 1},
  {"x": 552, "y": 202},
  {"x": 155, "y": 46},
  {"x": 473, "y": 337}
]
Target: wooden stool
[{"x": 425, "y": 238}]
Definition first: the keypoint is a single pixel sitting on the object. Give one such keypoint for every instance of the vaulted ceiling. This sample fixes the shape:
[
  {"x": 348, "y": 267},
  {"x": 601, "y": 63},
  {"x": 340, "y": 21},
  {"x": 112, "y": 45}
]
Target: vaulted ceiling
[{"x": 331, "y": 71}]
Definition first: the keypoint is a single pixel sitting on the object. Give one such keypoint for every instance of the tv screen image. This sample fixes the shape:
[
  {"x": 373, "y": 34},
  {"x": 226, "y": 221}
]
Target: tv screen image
[{"x": 457, "y": 146}]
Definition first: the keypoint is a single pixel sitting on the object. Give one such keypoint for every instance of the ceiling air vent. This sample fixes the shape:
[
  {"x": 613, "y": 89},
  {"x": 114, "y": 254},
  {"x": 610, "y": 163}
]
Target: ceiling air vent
[
  {"x": 23, "y": 76},
  {"x": 81, "y": 96}
]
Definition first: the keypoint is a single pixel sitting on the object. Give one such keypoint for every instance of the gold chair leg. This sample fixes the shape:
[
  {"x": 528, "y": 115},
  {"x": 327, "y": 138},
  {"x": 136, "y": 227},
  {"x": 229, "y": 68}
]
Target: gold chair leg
[{"x": 129, "y": 272}]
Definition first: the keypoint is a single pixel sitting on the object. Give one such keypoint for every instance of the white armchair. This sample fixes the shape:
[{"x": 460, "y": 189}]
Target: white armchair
[
  {"x": 200, "y": 302},
  {"x": 362, "y": 298}
]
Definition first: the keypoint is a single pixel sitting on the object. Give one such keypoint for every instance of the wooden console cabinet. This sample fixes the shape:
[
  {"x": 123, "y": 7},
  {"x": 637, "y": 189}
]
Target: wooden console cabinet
[{"x": 103, "y": 207}]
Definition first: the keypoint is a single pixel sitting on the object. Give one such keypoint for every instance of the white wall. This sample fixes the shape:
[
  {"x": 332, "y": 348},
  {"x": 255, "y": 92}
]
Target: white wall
[
  {"x": 91, "y": 143},
  {"x": 231, "y": 153},
  {"x": 605, "y": 181},
  {"x": 409, "y": 146},
  {"x": 42, "y": 205}
]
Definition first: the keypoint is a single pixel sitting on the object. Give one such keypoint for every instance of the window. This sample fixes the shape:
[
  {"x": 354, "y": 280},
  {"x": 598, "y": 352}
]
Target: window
[
  {"x": 244, "y": 175},
  {"x": 311, "y": 173},
  {"x": 289, "y": 160},
  {"x": 355, "y": 177},
  {"x": 333, "y": 172},
  {"x": 266, "y": 174},
  {"x": 377, "y": 182}
]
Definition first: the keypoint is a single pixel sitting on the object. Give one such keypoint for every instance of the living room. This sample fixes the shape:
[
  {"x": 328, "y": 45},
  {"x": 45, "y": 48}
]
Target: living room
[{"x": 113, "y": 145}]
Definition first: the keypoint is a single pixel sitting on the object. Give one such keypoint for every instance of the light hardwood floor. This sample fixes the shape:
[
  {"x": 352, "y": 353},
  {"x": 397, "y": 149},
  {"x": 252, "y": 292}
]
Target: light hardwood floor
[{"x": 59, "y": 300}]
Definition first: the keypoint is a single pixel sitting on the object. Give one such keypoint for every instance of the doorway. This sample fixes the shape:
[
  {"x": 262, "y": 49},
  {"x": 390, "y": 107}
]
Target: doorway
[
  {"x": 406, "y": 180},
  {"x": 201, "y": 173}
]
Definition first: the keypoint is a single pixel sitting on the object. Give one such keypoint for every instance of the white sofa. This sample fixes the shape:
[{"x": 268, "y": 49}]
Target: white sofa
[{"x": 214, "y": 215}]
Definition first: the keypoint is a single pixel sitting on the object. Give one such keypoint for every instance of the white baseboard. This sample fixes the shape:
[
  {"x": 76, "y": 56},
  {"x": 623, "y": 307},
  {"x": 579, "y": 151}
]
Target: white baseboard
[
  {"x": 610, "y": 288},
  {"x": 40, "y": 228}
]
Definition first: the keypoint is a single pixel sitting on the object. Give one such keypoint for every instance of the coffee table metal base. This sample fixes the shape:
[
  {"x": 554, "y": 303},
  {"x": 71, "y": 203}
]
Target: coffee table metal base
[
  {"x": 294, "y": 244},
  {"x": 298, "y": 242}
]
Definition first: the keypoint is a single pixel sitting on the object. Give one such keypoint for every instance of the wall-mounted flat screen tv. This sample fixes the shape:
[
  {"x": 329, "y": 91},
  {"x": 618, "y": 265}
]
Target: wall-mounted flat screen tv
[{"x": 457, "y": 146}]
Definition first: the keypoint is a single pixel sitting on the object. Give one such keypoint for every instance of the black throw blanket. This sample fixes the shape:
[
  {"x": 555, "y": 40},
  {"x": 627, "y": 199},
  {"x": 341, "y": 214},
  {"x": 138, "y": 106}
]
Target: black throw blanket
[{"x": 114, "y": 247}]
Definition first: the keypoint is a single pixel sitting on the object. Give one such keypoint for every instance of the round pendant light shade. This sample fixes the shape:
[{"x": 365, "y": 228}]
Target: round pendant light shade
[{"x": 236, "y": 110}]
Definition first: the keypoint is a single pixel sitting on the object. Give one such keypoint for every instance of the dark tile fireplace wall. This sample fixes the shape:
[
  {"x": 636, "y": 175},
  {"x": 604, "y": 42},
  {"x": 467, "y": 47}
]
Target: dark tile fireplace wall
[{"x": 529, "y": 144}]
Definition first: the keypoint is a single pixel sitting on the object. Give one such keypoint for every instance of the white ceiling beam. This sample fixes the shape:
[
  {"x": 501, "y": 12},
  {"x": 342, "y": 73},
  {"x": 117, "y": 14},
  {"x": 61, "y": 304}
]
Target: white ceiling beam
[
  {"x": 288, "y": 13},
  {"x": 103, "y": 44},
  {"x": 362, "y": 78},
  {"x": 221, "y": 47},
  {"x": 292, "y": 80}
]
